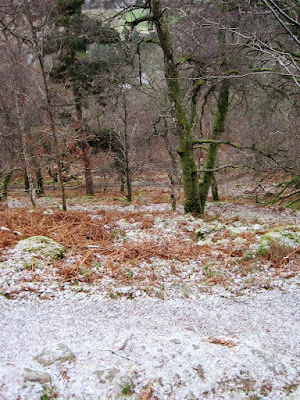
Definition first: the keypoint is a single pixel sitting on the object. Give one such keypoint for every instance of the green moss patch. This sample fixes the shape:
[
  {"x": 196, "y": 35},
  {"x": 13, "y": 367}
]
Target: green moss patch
[
  {"x": 35, "y": 251},
  {"x": 284, "y": 238},
  {"x": 207, "y": 229}
]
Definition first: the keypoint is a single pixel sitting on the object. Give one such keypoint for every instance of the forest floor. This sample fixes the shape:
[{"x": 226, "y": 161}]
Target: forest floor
[{"x": 149, "y": 304}]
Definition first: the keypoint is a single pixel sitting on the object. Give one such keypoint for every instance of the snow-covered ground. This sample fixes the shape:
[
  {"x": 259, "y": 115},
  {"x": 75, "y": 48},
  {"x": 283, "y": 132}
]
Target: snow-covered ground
[
  {"x": 213, "y": 348},
  {"x": 189, "y": 338}
]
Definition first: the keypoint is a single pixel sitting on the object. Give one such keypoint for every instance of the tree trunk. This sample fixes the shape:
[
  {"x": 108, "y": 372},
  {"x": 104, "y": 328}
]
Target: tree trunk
[
  {"x": 126, "y": 151},
  {"x": 122, "y": 181},
  {"x": 4, "y": 181},
  {"x": 26, "y": 156},
  {"x": 190, "y": 179},
  {"x": 26, "y": 182},
  {"x": 84, "y": 146},
  {"x": 172, "y": 191},
  {"x": 128, "y": 184},
  {"x": 189, "y": 168},
  {"x": 52, "y": 121},
  {"x": 39, "y": 182},
  {"x": 173, "y": 171},
  {"x": 222, "y": 110},
  {"x": 214, "y": 189},
  {"x": 89, "y": 184}
]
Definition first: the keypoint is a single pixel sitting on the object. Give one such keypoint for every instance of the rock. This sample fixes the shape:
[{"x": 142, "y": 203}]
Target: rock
[
  {"x": 240, "y": 241},
  {"x": 239, "y": 228},
  {"x": 271, "y": 362},
  {"x": 36, "y": 376},
  {"x": 285, "y": 237},
  {"x": 48, "y": 357},
  {"x": 207, "y": 229},
  {"x": 111, "y": 373},
  {"x": 35, "y": 251},
  {"x": 200, "y": 371},
  {"x": 107, "y": 375},
  {"x": 99, "y": 375},
  {"x": 176, "y": 341}
]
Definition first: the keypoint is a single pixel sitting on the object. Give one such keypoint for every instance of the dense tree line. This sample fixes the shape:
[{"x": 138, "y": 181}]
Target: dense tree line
[{"x": 192, "y": 88}]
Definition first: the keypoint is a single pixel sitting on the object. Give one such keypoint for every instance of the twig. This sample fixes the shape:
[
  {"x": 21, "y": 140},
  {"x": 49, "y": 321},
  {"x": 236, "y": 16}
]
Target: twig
[{"x": 119, "y": 355}]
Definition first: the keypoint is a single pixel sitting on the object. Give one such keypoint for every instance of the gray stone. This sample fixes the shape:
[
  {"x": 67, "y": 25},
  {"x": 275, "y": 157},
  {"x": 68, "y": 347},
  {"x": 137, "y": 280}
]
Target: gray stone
[
  {"x": 99, "y": 375},
  {"x": 107, "y": 375},
  {"x": 200, "y": 371},
  {"x": 36, "y": 376},
  {"x": 111, "y": 373},
  {"x": 48, "y": 357},
  {"x": 207, "y": 229},
  {"x": 175, "y": 341}
]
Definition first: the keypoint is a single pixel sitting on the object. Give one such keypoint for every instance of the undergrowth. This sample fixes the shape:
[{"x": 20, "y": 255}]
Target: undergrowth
[{"x": 96, "y": 246}]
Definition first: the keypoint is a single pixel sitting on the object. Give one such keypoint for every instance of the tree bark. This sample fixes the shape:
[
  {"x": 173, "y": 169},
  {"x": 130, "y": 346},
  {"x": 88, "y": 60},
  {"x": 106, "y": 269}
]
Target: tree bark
[
  {"x": 210, "y": 163},
  {"x": 189, "y": 168},
  {"x": 220, "y": 119},
  {"x": 84, "y": 146},
  {"x": 50, "y": 111},
  {"x": 214, "y": 189},
  {"x": 26, "y": 182},
  {"x": 122, "y": 181},
  {"x": 4, "y": 181},
  {"x": 25, "y": 153},
  {"x": 39, "y": 182},
  {"x": 126, "y": 153}
]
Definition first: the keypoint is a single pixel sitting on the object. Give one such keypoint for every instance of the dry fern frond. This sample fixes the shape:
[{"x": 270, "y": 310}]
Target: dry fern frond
[{"x": 222, "y": 340}]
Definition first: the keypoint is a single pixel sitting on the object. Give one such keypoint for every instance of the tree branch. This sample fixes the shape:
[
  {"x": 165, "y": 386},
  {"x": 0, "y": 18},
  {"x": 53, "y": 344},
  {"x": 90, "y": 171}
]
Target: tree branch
[{"x": 236, "y": 146}]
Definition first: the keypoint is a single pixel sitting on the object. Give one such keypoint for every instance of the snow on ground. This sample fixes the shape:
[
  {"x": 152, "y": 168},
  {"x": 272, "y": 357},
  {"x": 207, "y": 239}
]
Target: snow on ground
[
  {"x": 82, "y": 342},
  {"x": 172, "y": 347}
]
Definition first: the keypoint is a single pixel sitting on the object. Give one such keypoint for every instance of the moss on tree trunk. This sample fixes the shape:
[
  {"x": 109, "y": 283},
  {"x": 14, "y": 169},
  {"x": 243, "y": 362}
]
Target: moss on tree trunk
[
  {"x": 190, "y": 179},
  {"x": 208, "y": 175},
  {"x": 189, "y": 168},
  {"x": 4, "y": 181},
  {"x": 214, "y": 189}
]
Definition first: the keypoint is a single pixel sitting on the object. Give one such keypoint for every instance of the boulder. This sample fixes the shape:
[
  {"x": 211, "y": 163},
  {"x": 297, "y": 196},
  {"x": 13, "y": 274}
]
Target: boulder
[
  {"x": 60, "y": 353},
  {"x": 35, "y": 252},
  {"x": 287, "y": 237},
  {"x": 36, "y": 376}
]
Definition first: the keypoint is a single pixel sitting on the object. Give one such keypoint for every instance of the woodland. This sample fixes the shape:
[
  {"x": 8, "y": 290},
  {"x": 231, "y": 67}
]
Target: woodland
[
  {"x": 149, "y": 199},
  {"x": 106, "y": 93}
]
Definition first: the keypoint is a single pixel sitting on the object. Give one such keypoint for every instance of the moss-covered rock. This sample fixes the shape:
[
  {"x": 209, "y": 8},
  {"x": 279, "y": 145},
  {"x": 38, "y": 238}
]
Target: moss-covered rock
[
  {"x": 59, "y": 352},
  {"x": 207, "y": 229},
  {"x": 35, "y": 251},
  {"x": 287, "y": 237},
  {"x": 239, "y": 228}
]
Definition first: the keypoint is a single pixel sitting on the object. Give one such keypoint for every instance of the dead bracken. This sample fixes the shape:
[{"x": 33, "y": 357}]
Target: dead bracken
[{"x": 153, "y": 249}]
